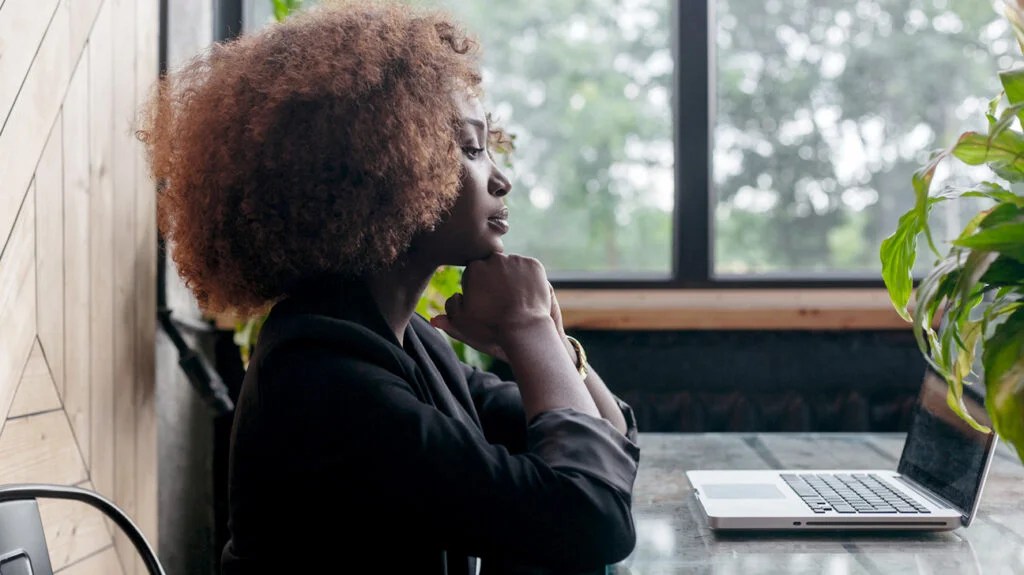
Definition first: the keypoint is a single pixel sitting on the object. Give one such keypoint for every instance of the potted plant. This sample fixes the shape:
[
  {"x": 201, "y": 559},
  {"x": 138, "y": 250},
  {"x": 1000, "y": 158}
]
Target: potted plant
[{"x": 976, "y": 288}]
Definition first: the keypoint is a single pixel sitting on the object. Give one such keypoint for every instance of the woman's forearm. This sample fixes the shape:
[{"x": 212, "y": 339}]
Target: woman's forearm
[
  {"x": 545, "y": 374},
  {"x": 603, "y": 398},
  {"x": 606, "y": 404}
]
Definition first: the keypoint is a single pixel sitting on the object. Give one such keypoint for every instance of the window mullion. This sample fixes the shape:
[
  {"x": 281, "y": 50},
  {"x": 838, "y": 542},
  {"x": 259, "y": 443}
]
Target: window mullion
[{"x": 692, "y": 112}]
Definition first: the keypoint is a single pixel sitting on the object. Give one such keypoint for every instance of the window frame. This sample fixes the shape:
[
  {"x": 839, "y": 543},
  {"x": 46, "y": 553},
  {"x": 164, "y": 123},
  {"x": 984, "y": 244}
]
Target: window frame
[{"x": 693, "y": 211}]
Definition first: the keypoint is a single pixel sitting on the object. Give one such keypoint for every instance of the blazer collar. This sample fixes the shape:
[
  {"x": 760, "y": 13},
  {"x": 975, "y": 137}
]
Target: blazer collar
[{"x": 341, "y": 298}]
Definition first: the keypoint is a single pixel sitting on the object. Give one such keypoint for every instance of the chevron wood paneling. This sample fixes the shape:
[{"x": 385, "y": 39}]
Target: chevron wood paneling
[
  {"x": 74, "y": 531},
  {"x": 36, "y": 393},
  {"x": 76, "y": 254},
  {"x": 27, "y": 19},
  {"x": 41, "y": 448},
  {"x": 17, "y": 303},
  {"x": 105, "y": 561},
  {"x": 78, "y": 269},
  {"x": 146, "y": 69},
  {"x": 33, "y": 112},
  {"x": 101, "y": 253},
  {"x": 124, "y": 145},
  {"x": 50, "y": 252}
]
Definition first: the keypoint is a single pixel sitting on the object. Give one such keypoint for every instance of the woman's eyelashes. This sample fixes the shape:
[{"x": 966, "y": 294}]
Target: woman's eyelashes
[{"x": 472, "y": 152}]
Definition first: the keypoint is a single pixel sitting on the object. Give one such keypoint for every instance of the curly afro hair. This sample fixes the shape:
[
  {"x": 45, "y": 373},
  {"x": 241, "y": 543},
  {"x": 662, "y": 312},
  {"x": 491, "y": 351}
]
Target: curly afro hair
[{"x": 320, "y": 145}]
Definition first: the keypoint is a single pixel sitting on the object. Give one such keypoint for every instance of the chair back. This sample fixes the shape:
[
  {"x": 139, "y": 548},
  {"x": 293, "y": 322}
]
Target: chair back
[
  {"x": 22, "y": 542},
  {"x": 23, "y": 548}
]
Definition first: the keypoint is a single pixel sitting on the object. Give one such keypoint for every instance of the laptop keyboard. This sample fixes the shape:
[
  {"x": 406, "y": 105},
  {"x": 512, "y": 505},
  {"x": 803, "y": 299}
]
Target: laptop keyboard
[{"x": 849, "y": 493}]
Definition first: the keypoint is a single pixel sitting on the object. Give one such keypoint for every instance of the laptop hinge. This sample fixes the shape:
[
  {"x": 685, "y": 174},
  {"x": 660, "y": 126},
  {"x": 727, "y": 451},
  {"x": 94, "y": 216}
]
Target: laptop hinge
[{"x": 934, "y": 498}]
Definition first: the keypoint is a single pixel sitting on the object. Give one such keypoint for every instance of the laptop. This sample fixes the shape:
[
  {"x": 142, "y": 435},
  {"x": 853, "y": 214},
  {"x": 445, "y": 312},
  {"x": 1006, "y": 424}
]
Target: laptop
[{"x": 936, "y": 486}]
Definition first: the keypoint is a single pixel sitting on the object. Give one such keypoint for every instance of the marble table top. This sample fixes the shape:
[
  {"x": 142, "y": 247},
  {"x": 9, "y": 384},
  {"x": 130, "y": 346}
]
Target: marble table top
[{"x": 673, "y": 536}]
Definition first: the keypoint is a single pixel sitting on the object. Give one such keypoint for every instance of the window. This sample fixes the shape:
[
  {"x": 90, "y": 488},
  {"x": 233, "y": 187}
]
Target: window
[
  {"x": 825, "y": 108},
  {"x": 688, "y": 143},
  {"x": 798, "y": 126}
]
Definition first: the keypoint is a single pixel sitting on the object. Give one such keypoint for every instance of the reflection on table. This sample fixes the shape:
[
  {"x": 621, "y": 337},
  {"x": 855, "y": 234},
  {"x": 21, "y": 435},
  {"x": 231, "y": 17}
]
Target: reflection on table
[{"x": 673, "y": 536}]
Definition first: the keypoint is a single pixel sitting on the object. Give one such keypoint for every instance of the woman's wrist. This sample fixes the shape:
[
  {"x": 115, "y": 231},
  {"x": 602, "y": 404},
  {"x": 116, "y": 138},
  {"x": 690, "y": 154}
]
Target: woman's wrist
[{"x": 522, "y": 333}]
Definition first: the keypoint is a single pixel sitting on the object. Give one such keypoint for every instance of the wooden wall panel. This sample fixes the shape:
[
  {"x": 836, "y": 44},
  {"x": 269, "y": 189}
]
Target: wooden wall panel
[
  {"x": 77, "y": 298},
  {"x": 102, "y": 563},
  {"x": 17, "y": 302},
  {"x": 36, "y": 393},
  {"x": 40, "y": 448},
  {"x": 22, "y": 25},
  {"x": 124, "y": 146},
  {"x": 146, "y": 70},
  {"x": 101, "y": 254},
  {"x": 83, "y": 16},
  {"x": 78, "y": 268},
  {"x": 50, "y": 252},
  {"x": 28, "y": 125},
  {"x": 74, "y": 531}
]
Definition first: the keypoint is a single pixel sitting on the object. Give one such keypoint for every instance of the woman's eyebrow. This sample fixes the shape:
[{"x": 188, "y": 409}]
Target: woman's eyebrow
[{"x": 476, "y": 122}]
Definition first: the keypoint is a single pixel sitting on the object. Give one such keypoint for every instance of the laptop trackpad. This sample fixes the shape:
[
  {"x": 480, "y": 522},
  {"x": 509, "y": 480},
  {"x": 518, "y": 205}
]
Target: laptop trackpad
[{"x": 742, "y": 491}]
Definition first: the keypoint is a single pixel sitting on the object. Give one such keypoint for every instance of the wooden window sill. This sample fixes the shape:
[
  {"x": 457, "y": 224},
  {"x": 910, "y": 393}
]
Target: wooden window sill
[{"x": 733, "y": 309}]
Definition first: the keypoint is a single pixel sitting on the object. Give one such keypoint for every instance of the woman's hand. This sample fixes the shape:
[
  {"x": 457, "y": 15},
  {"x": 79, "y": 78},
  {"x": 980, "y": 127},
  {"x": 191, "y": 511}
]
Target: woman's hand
[{"x": 503, "y": 296}]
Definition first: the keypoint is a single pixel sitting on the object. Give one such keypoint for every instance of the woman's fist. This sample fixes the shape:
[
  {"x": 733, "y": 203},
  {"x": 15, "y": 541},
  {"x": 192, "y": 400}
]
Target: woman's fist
[{"x": 501, "y": 295}]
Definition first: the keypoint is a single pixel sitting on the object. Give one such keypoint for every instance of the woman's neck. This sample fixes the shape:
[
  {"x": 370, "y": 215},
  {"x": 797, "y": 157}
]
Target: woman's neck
[{"x": 397, "y": 290}]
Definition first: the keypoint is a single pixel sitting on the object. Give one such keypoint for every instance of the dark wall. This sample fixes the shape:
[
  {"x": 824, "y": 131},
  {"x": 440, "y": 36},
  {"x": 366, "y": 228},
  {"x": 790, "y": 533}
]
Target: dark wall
[{"x": 760, "y": 380}]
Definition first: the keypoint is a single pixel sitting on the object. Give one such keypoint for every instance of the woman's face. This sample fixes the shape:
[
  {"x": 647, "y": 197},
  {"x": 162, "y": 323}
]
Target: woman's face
[{"x": 473, "y": 228}]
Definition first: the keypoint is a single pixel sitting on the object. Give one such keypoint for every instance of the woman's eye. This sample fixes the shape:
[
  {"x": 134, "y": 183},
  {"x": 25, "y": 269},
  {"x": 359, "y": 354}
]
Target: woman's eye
[{"x": 471, "y": 152}]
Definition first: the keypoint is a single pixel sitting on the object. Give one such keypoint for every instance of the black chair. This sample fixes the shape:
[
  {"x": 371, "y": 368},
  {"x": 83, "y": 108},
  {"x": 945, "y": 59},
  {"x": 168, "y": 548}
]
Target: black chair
[{"x": 22, "y": 542}]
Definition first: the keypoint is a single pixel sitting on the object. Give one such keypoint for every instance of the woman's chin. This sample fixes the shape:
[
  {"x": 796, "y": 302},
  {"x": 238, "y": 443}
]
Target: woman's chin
[{"x": 484, "y": 252}]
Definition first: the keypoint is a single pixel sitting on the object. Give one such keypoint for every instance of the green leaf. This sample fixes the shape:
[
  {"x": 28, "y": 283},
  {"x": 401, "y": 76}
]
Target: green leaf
[
  {"x": 1003, "y": 361},
  {"x": 1013, "y": 86},
  {"x": 285, "y": 8},
  {"x": 1005, "y": 120},
  {"x": 1000, "y": 214},
  {"x": 1006, "y": 238},
  {"x": 970, "y": 334},
  {"x": 1004, "y": 271},
  {"x": 993, "y": 106},
  {"x": 246, "y": 335},
  {"x": 964, "y": 361},
  {"x": 280, "y": 10},
  {"x": 939, "y": 284},
  {"x": 1003, "y": 152},
  {"x": 922, "y": 183},
  {"x": 898, "y": 253}
]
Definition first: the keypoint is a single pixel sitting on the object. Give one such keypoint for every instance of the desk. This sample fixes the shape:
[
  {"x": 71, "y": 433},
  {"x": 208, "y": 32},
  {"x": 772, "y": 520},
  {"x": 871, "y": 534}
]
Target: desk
[{"x": 673, "y": 536}]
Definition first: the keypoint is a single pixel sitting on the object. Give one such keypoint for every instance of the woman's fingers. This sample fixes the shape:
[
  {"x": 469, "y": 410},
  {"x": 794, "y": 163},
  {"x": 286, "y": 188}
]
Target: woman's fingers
[
  {"x": 486, "y": 345},
  {"x": 453, "y": 305},
  {"x": 443, "y": 323}
]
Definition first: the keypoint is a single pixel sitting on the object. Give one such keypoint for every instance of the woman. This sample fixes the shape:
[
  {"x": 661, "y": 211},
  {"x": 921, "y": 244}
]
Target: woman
[{"x": 326, "y": 167}]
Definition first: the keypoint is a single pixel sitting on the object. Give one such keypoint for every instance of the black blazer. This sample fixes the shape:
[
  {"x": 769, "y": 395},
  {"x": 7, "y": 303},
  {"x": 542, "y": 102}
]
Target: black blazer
[{"x": 352, "y": 453}]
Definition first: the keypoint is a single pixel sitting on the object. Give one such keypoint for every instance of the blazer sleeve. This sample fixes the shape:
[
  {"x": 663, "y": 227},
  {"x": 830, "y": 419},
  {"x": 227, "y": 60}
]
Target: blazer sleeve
[{"x": 564, "y": 502}]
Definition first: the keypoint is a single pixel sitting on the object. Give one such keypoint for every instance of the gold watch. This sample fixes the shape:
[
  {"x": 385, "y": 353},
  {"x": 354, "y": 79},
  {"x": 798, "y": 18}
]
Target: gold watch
[{"x": 581, "y": 356}]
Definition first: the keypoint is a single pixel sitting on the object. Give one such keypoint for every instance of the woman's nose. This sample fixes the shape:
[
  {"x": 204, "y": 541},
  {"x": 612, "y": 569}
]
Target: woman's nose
[{"x": 499, "y": 185}]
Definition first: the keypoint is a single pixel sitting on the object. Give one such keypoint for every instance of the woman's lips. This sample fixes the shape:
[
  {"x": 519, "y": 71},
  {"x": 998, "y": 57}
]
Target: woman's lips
[{"x": 499, "y": 221}]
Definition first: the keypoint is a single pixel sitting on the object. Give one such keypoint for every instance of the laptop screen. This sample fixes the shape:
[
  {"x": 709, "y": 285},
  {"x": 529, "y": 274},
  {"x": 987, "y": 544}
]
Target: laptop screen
[{"x": 942, "y": 452}]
